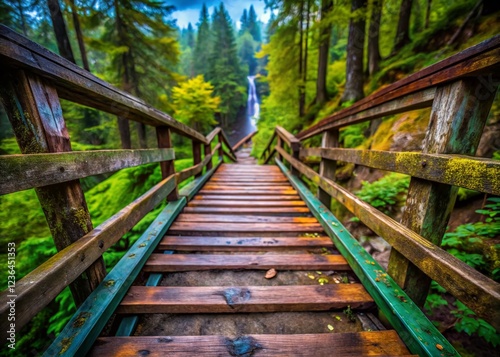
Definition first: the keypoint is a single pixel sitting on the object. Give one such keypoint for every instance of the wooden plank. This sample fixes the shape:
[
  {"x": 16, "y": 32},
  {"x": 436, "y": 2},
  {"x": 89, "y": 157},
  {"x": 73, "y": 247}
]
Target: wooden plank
[
  {"x": 479, "y": 293},
  {"x": 36, "y": 117},
  {"x": 235, "y": 244},
  {"x": 458, "y": 116},
  {"x": 244, "y": 179},
  {"x": 244, "y": 184},
  {"x": 187, "y": 217},
  {"x": 327, "y": 167},
  {"x": 196, "y": 169},
  {"x": 481, "y": 174},
  {"x": 255, "y": 204},
  {"x": 89, "y": 320},
  {"x": 247, "y": 197},
  {"x": 238, "y": 299},
  {"x": 197, "y": 155},
  {"x": 164, "y": 138},
  {"x": 244, "y": 227},
  {"x": 370, "y": 343},
  {"x": 78, "y": 85},
  {"x": 210, "y": 137},
  {"x": 288, "y": 138},
  {"x": 398, "y": 308},
  {"x": 254, "y": 193},
  {"x": 244, "y": 140},
  {"x": 207, "y": 150},
  {"x": 194, "y": 262},
  {"x": 223, "y": 139},
  {"x": 39, "y": 287},
  {"x": 287, "y": 211},
  {"x": 480, "y": 59},
  {"x": 21, "y": 172}
]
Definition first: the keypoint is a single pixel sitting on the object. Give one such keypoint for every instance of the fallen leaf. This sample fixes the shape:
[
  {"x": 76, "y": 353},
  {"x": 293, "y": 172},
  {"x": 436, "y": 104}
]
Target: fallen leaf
[
  {"x": 271, "y": 273},
  {"x": 330, "y": 327}
]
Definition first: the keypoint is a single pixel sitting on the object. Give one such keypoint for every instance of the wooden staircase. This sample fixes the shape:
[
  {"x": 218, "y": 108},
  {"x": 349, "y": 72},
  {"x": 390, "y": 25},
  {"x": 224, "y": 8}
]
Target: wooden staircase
[{"x": 246, "y": 220}]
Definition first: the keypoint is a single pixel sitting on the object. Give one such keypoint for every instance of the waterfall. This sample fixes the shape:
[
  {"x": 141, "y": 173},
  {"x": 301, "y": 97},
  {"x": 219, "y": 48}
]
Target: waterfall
[{"x": 253, "y": 107}]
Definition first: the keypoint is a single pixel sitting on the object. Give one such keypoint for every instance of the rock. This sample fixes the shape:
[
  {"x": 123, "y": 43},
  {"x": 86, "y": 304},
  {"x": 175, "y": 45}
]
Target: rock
[{"x": 379, "y": 244}]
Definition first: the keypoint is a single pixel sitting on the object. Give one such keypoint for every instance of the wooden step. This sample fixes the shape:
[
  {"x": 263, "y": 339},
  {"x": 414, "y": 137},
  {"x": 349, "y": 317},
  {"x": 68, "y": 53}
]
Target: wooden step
[
  {"x": 189, "y": 217},
  {"x": 369, "y": 343},
  {"x": 180, "y": 227},
  {"x": 264, "y": 187},
  {"x": 247, "y": 183},
  {"x": 211, "y": 197},
  {"x": 224, "y": 299},
  {"x": 160, "y": 263},
  {"x": 206, "y": 244},
  {"x": 248, "y": 203},
  {"x": 281, "y": 211},
  {"x": 244, "y": 191}
]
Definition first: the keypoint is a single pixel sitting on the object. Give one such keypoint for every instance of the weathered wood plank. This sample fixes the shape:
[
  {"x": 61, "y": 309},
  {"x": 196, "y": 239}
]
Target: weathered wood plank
[
  {"x": 21, "y": 172},
  {"x": 197, "y": 155},
  {"x": 244, "y": 227},
  {"x": 78, "y": 85},
  {"x": 327, "y": 167},
  {"x": 300, "y": 211},
  {"x": 401, "y": 312},
  {"x": 164, "y": 138},
  {"x": 473, "y": 173},
  {"x": 379, "y": 343},
  {"x": 238, "y": 299},
  {"x": 269, "y": 197},
  {"x": 480, "y": 59},
  {"x": 255, "y": 204},
  {"x": 255, "y": 192},
  {"x": 36, "y": 117},
  {"x": 288, "y": 138},
  {"x": 194, "y": 262},
  {"x": 72, "y": 261},
  {"x": 458, "y": 116},
  {"x": 268, "y": 188},
  {"x": 187, "y": 243},
  {"x": 210, "y": 137},
  {"x": 479, "y": 293},
  {"x": 187, "y": 217},
  {"x": 87, "y": 323}
]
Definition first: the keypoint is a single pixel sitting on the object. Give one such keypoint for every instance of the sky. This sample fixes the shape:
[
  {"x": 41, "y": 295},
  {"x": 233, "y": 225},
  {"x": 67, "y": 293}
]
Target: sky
[{"x": 189, "y": 10}]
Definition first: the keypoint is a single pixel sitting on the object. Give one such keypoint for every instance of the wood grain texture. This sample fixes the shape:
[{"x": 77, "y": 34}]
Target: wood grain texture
[
  {"x": 282, "y": 211},
  {"x": 327, "y": 167},
  {"x": 164, "y": 138},
  {"x": 247, "y": 197},
  {"x": 187, "y": 217},
  {"x": 180, "y": 262},
  {"x": 21, "y": 172},
  {"x": 238, "y": 299},
  {"x": 481, "y": 174},
  {"x": 253, "y": 204},
  {"x": 480, "y": 59},
  {"x": 379, "y": 343},
  {"x": 78, "y": 85},
  {"x": 479, "y": 293},
  {"x": 179, "y": 227},
  {"x": 236, "y": 244}
]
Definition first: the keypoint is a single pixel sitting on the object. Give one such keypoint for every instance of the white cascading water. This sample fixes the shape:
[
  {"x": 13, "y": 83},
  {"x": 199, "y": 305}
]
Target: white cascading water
[{"x": 253, "y": 107}]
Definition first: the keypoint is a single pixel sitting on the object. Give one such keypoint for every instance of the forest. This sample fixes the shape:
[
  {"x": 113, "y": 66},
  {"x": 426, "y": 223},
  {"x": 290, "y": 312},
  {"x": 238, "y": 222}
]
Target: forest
[{"x": 310, "y": 58}]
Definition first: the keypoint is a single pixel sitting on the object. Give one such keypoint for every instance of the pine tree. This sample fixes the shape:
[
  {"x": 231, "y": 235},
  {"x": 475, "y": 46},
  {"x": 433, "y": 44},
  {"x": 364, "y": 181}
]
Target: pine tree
[
  {"x": 203, "y": 43},
  {"x": 190, "y": 41},
  {"x": 244, "y": 22},
  {"x": 253, "y": 25}
]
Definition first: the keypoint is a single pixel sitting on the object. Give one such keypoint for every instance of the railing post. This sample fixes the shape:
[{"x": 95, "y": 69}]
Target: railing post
[
  {"x": 164, "y": 137},
  {"x": 295, "y": 148},
  {"x": 458, "y": 116},
  {"x": 221, "y": 149},
  {"x": 208, "y": 151},
  {"x": 36, "y": 116},
  {"x": 327, "y": 167},
  {"x": 279, "y": 143},
  {"x": 196, "y": 154}
]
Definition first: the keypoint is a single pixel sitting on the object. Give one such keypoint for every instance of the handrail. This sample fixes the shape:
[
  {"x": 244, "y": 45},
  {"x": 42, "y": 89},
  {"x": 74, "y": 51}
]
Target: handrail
[
  {"x": 416, "y": 91},
  {"x": 244, "y": 140},
  {"x": 268, "y": 147}
]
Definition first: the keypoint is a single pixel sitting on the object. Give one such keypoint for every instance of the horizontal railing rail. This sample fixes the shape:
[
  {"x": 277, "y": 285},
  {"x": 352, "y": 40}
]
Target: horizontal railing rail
[
  {"x": 33, "y": 80},
  {"x": 460, "y": 91},
  {"x": 244, "y": 140}
]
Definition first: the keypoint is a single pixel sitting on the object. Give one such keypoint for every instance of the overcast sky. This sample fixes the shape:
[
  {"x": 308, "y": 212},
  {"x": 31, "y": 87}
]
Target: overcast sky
[{"x": 189, "y": 10}]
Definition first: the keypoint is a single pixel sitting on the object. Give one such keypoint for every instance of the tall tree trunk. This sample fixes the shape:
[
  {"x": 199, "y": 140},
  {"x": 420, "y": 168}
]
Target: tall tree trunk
[
  {"x": 324, "y": 46},
  {"x": 123, "y": 124},
  {"x": 403, "y": 30},
  {"x": 428, "y": 14},
  {"x": 79, "y": 35},
  {"x": 306, "y": 52},
  {"x": 373, "y": 37},
  {"x": 302, "y": 103},
  {"x": 355, "y": 45},
  {"x": 21, "y": 15},
  {"x": 60, "y": 30}
]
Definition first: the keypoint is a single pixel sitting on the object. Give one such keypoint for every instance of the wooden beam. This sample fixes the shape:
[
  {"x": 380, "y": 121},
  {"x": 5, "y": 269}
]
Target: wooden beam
[
  {"x": 482, "y": 59},
  {"x": 196, "y": 169},
  {"x": 196, "y": 155},
  {"x": 402, "y": 313},
  {"x": 223, "y": 139},
  {"x": 78, "y": 85},
  {"x": 21, "y": 172},
  {"x": 35, "y": 114},
  {"x": 474, "y": 173},
  {"x": 479, "y": 293},
  {"x": 164, "y": 138},
  {"x": 207, "y": 150},
  {"x": 327, "y": 167},
  {"x": 457, "y": 120},
  {"x": 87, "y": 323},
  {"x": 292, "y": 142},
  {"x": 210, "y": 137},
  {"x": 244, "y": 140},
  {"x": 268, "y": 146},
  {"x": 39, "y": 287}
]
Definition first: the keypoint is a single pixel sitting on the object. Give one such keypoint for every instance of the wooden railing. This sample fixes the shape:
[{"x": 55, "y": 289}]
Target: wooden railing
[
  {"x": 460, "y": 90},
  {"x": 33, "y": 80},
  {"x": 243, "y": 141}
]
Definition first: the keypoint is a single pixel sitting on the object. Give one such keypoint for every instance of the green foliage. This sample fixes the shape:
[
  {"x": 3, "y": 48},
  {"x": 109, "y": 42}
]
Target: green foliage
[
  {"x": 387, "y": 193},
  {"x": 353, "y": 135},
  {"x": 195, "y": 104}
]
